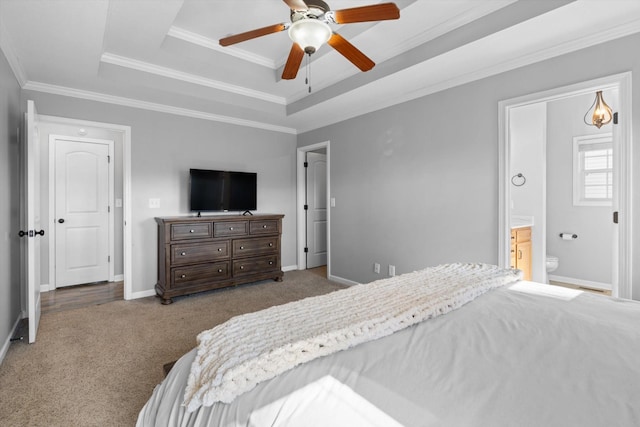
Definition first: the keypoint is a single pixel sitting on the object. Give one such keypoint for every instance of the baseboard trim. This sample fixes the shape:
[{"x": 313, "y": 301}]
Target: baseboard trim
[
  {"x": 7, "y": 343},
  {"x": 580, "y": 282},
  {"x": 142, "y": 294},
  {"x": 45, "y": 287},
  {"x": 290, "y": 268},
  {"x": 118, "y": 278},
  {"x": 342, "y": 280}
]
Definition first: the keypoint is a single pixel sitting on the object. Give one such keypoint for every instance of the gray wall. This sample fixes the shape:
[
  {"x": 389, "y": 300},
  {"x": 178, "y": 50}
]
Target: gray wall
[
  {"x": 416, "y": 184},
  {"x": 165, "y": 146},
  {"x": 589, "y": 256},
  {"x": 10, "y": 306}
]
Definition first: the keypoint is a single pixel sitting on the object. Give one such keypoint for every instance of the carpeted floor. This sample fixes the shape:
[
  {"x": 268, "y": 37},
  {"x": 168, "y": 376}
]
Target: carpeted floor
[{"x": 97, "y": 366}]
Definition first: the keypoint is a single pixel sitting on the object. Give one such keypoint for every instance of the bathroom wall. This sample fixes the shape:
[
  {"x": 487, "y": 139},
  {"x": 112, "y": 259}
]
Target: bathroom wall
[
  {"x": 527, "y": 134},
  {"x": 588, "y": 259}
]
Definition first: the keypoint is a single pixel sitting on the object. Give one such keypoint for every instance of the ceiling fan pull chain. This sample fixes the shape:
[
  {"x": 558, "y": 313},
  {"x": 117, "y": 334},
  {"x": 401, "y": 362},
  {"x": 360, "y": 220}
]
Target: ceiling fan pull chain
[{"x": 308, "y": 79}]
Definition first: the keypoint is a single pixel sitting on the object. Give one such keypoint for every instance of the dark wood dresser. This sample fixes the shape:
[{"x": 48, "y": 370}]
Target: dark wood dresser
[{"x": 198, "y": 254}]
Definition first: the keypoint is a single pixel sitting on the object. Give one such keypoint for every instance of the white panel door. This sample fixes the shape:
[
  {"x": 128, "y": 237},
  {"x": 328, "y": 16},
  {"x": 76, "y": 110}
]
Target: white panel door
[
  {"x": 31, "y": 178},
  {"x": 317, "y": 210},
  {"x": 81, "y": 212}
]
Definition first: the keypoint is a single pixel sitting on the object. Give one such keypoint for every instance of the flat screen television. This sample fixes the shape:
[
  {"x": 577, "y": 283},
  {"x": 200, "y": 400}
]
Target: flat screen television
[{"x": 212, "y": 190}]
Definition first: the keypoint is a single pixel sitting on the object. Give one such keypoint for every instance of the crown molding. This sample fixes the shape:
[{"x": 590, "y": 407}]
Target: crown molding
[
  {"x": 162, "y": 108},
  {"x": 7, "y": 47},
  {"x": 197, "y": 39},
  {"x": 121, "y": 61}
]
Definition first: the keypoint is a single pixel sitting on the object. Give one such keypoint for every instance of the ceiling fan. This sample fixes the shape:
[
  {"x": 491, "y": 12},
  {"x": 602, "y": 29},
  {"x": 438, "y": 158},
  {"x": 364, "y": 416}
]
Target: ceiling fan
[{"x": 309, "y": 29}]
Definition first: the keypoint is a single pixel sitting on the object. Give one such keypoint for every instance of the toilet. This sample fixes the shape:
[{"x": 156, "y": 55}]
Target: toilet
[{"x": 552, "y": 263}]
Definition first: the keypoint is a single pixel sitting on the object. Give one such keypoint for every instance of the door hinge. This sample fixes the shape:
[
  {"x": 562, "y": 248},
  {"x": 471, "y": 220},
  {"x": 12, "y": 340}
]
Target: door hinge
[
  {"x": 108, "y": 208},
  {"x": 108, "y": 159},
  {"x": 306, "y": 250},
  {"x": 615, "y": 118},
  {"x": 615, "y": 217},
  {"x": 306, "y": 164},
  {"x": 108, "y": 258},
  {"x": 306, "y": 207}
]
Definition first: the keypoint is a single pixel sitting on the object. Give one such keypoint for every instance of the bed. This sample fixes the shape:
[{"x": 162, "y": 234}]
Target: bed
[{"x": 516, "y": 353}]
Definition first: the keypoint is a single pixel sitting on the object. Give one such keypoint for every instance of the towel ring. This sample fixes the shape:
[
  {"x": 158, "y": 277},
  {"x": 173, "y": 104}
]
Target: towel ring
[{"x": 518, "y": 180}]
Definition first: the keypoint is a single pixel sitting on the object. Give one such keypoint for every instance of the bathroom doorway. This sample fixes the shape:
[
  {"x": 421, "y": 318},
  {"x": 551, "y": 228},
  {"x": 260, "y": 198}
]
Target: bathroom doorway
[{"x": 535, "y": 119}]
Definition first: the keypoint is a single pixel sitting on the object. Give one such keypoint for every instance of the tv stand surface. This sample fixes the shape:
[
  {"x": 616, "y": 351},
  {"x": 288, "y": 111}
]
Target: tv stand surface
[{"x": 197, "y": 254}]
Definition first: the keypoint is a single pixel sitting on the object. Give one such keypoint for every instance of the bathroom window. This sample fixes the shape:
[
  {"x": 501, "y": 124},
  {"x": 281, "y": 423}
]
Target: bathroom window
[{"x": 593, "y": 170}]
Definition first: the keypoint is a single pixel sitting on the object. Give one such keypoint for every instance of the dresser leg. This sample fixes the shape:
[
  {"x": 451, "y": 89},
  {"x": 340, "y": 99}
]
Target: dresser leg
[
  {"x": 167, "y": 301},
  {"x": 278, "y": 279}
]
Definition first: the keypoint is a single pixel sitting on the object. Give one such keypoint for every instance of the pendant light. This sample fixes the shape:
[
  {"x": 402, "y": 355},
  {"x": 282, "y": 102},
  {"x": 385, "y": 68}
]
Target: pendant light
[{"x": 601, "y": 112}]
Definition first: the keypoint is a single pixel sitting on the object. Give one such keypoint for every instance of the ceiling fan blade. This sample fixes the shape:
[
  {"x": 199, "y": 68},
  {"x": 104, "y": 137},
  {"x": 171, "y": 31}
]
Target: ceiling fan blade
[
  {"x": 375, "y": 12},
  {"x": 237, "y": 38},
  {"x": 293, "y": 62},
  {"x": 296, "y": 4},
  {"x": 350, "y": 52}
]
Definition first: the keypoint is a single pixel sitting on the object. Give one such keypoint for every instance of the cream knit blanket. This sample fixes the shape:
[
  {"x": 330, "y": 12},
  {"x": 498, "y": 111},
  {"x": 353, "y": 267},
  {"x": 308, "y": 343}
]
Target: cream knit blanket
[{"x": 233, "y": 357}]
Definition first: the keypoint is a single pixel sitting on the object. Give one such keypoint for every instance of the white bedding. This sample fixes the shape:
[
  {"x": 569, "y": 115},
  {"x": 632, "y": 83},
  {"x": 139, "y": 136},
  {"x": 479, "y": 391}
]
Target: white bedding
[
  {"x": 526, "y": 355},
  {"x": 238, "y": 354}
]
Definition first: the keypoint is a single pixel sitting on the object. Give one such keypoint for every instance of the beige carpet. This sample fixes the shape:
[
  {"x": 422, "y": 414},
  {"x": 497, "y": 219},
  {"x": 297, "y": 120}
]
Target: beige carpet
[{"x": 97, "y": 366}]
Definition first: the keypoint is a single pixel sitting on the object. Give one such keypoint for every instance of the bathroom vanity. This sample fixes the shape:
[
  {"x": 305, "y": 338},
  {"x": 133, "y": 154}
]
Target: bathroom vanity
[{"x": 521, "y": 250}]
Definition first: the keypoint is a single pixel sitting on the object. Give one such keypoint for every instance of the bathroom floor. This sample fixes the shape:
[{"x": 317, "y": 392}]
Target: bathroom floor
[{"x": 568, "y": 285}]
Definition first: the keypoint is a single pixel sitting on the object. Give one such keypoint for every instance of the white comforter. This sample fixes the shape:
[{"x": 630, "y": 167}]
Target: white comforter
[{"x": 521, "y": 355}]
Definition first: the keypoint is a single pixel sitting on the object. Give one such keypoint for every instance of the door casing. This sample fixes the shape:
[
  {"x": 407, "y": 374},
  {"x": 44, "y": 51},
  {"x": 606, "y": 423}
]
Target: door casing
[
  {"x": 301, "y": 218},
  {"x": 125, "y": 131},
  {"x": 622, "y": 270}
]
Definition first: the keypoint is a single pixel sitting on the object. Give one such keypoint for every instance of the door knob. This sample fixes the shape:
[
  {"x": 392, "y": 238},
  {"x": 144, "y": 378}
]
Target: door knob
[{"x": 61, "y": 220}]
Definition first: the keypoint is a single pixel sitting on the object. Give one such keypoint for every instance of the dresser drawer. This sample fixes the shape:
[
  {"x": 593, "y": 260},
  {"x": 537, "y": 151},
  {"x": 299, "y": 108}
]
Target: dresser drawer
[
  {"x": 256, "y": 246},
  {"x": 195, "y": 275},
  {"x": 263, "y": 227},
  {"x": 200, "y": 230},
  {"x": 255, "y": 265},
  {"x": 193, "y": 253},
  {"x": 230, "y": 229}
]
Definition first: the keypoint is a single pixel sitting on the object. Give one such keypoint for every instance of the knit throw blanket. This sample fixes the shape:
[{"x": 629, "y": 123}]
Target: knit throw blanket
[{"x": 233, "y": 357}]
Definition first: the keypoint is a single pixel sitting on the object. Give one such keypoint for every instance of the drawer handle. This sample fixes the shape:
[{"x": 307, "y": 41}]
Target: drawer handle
[
  {"x": 264, "y": 226},
  {"x": 270, "y": 262},
  {"x": 183, "y": 253},
  {"x": 192, "y": 231},
  {"x": 219, "y": 249},
  {"x": 230, "y": 228},
  {"x": 242, "y": 267},
  {"x": 219, "y": 270},
  {"x": 241, "y": 247},
  {"x": 182, "y": 276},
  {"x": 270, "y": 245}
]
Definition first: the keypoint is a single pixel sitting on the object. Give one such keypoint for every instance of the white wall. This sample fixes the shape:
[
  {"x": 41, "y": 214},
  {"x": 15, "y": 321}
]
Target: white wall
[
  {"x": 589, "y": 257},
  {"x": 165, "y": 146},
  {"x": 528, "y": 137}
]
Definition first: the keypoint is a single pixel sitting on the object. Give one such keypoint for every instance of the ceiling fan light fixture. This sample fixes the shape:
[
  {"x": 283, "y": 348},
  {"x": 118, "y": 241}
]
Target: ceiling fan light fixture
[{"x": 310, "y": 34}]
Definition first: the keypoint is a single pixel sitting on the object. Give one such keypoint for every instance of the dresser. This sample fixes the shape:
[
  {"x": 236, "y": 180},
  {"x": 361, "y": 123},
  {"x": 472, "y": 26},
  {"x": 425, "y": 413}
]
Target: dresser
[{"x": 197, "y": 254}]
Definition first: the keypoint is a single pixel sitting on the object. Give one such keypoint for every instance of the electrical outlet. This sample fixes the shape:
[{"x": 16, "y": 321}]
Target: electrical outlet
[
  {"x": 154, "y": 203},
  {"x": 392, "y": 270},
  {"x": 376, "y": 268}
]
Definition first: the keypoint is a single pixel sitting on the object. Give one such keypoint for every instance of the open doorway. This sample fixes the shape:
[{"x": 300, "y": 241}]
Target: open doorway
[
  {"x": 313, "y": 202},
  {"x": 114, "y": 141},
  {"x": 526, "y": 119}
]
